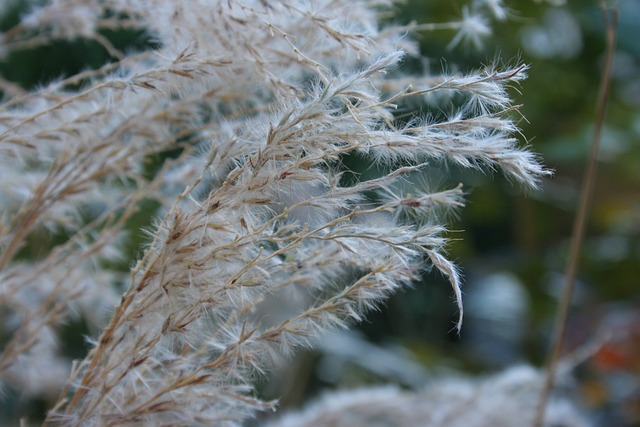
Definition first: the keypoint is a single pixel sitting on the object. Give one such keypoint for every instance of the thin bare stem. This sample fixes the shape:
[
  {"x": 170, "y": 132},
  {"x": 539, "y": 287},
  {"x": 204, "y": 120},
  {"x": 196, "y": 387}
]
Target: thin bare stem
[{"x": 577, "y": 237}]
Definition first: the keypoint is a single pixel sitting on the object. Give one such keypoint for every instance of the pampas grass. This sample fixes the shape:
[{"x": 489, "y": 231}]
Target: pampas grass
[{"x": 262, "y": 101}]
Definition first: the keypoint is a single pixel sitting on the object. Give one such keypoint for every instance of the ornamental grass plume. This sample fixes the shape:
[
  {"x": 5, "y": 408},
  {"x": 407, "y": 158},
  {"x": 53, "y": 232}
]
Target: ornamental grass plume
[
  {"x": 261, "y": 101},
  {"x": 505, "y": 399}
]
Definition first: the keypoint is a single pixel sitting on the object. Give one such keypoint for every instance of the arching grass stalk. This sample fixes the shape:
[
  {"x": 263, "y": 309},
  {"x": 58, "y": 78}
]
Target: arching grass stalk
[{"x": 577, "y": 236}]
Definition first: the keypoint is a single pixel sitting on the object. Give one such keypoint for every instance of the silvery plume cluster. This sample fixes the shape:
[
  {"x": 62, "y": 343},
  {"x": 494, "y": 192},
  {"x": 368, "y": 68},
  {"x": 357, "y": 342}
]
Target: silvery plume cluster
[
  {"x": 506, "y": 399},
  {"x": 262, "y": 102}
]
